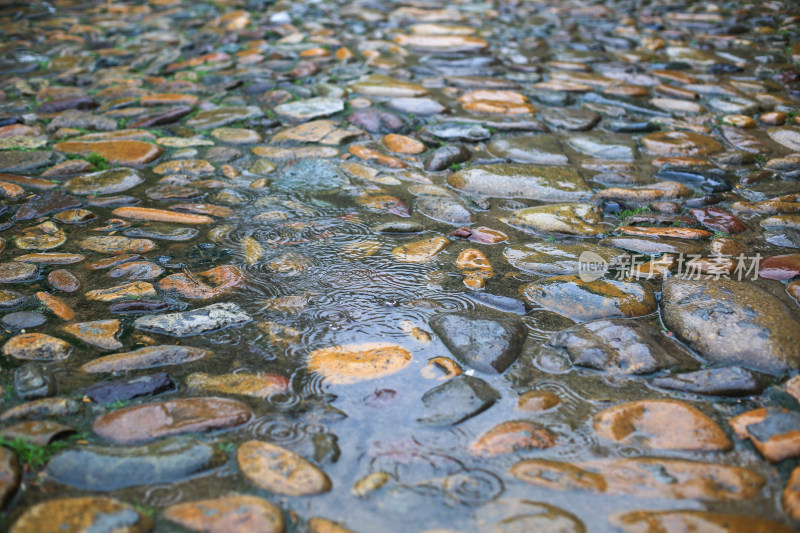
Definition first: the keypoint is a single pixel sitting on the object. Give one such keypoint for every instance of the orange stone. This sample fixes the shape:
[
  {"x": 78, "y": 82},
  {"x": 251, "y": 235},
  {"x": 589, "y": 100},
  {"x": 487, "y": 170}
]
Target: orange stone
[
  {"x": 160, "y": 215},
  {"x": 442, "y": 42},
  {"x": 402, "y": 145},
  {"x": 680, "y": 143},
  {"x": 511, "y": 436},
  {"x": 350, "y": 363},
  {"x": 168, "y": 99},
  {"x": 205, "y": 209},
  {"x": 511, "y": 97},
  {"x": 502, "y": 108},
  {"x": 661, "y": 425},
  {"x": 362, "y": 152},
  {"x": 343, "y": 54},
  {"x": 237, "y": 513},
  {"x": 679, "y": 233},
  {"x": 10, "y": 190},
  {"x": 56, "y": 305},
  {"x": 774, "y": 118},
  {"x": 222, "y": 278},
  {"x": 161, "y": 419},
  {"x": 791, "y": 495},
  {"x": 127, "y": 153}
]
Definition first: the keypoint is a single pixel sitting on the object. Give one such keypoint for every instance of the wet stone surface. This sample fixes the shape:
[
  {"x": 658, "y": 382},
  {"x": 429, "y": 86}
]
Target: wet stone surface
[{"x": 384, "y": 266}]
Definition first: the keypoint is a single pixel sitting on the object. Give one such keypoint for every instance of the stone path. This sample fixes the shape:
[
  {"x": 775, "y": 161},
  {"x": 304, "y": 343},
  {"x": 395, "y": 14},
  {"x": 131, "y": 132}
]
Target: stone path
[{"x": 383, "y": 266}]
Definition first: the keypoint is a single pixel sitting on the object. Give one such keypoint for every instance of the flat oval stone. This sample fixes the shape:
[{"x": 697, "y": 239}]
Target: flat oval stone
[
  {"x": 36, "y": 347},
  {"x": 645, "y": 478},
  {"x": 195, "y": 322},
  {"x": 533, "y": 182},
  {"x": 567, "y": 219},
  {"x": 106, "y": 468},
  {"x": 445, "y": 209},
  {"x": 76, "y": 515},
  {"x": 23, "y": 320},
  {"x": 160, "y": 215},
  {"x": 732, "y": 323},
  {"x": 109, "y": 181},
  {"x": 677, "y": 143},
  {"x": 661, "y": 425},
  {"x": 253, "y": 385},
  {"x": 536, "y": 149},
  {"x": 509, "y": 437},
  {"x": 147, "y": 357},
  {"x": 486, "y": 344},
  {"x": 725, "y": 381},
  {"x": 653, "y": 521},
  {"x": 236, "y": 513},
  {"x": 125, "y": 152},
  {"x": 276, "y": 469},
  {"x": 9, "y": 299},
  {"x": 420, "y": 251},
  {"x": 558, "y": 259},
  {"x": 161, "y": 419},
  {"x": 136, "y": 270},
  {"x": 100, "y": 333},
  {"x": 583, "y": 301},
  {"x": 116, "y": 245},
  {"x": 18, "y": 272},
  {"x": 50, "y": 258},
  {"x": 619, "y": 346},
  {"x": 129, "y": 388},
  {"x": 350, "y": 363},
  {"x": 63, "y": 280},
  {"x": 136, "y": 289},
  {"x": 457, "y": 400}
]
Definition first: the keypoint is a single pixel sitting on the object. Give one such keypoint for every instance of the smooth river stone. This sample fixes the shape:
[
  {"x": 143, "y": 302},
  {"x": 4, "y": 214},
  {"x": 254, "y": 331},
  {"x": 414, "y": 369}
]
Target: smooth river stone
[
  {"x": 661, "y": 425},
  {"x": 253, "y": 385},
  {"x": 532, "y": 182},
  {"x": 100, "y": 333},
  {"x": 604, "y": 146},
  {"x": 695, "y": 521},
  {"x": 109, "y": 181},
  {"x": 536, "y": 149},
  {"x": 195, "y": 322},
  {"x": 619, "y": 346},
  {"x": 36, "y": 347},
  {"x": 584, "y": 301},
  {"x": 116, "y": 245},
  {"x": 457, "y": 400},
  {"x": 645, "y": 478},
  {"x": 351, "y": 363},
  {"x": 147, "y": 357},
  {"x": 18, "y": 272},
  {"x": 278, "y": 470},
  {"x": 550, "y": 259},
  {"x": 733, "y": 323},
  {"x": 161, "y": 419},
  {"x": 486, "y": 344},
  {"x": 235, "y": 513},
  {"x": 82, "y": 515},
  {"x": 128, "y": 153},
  {"x": 106, "y": 468},
  {"x": 567, "y": 219}
]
